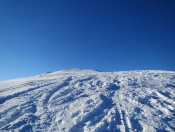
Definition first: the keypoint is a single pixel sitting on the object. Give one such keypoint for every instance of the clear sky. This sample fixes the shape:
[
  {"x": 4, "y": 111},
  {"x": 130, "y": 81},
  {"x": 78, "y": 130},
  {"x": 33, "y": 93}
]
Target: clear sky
[{"x": 108, "y": 35}]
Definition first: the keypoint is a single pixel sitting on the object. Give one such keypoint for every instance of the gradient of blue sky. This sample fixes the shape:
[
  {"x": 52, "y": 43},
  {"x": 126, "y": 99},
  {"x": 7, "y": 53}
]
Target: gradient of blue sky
[{"x": 108, "y": 35}]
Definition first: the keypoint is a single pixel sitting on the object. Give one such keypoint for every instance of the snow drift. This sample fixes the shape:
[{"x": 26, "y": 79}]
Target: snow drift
[{"x": 91, "y": 101}]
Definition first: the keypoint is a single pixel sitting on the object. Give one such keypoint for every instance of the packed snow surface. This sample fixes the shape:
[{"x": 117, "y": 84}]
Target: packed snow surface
[{"x": 90, "y": 101}]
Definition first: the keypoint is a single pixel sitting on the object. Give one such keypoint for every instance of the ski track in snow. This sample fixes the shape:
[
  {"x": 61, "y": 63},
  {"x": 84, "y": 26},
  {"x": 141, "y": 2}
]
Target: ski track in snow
[{"x": 89, "y": 101}]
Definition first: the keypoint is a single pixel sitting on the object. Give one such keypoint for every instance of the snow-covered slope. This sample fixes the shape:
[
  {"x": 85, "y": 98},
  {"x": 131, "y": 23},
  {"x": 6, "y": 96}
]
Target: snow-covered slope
[{"x": 86, "y": 100}]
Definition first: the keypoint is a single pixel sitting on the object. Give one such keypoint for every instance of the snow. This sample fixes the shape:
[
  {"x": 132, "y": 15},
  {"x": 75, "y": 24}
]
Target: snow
[{"x": 87, "y": 100}]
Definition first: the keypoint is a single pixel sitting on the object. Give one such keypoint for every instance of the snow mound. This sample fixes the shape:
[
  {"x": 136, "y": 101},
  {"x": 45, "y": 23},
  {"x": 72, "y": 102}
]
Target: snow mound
[{"x": 91, "y": 101}]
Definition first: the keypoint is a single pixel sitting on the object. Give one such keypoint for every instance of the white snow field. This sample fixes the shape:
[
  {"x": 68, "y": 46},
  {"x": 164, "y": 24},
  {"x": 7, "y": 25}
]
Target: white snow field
[{"x": 91, "y": 101}]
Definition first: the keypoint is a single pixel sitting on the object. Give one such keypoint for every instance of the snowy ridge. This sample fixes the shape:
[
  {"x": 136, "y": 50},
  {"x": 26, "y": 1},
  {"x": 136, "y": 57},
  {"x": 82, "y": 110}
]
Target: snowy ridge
[{"x": 86, "y": 100}]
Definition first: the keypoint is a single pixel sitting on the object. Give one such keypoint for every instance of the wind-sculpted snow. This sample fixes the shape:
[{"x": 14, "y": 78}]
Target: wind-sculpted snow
[{"x": 91, "y": 101}]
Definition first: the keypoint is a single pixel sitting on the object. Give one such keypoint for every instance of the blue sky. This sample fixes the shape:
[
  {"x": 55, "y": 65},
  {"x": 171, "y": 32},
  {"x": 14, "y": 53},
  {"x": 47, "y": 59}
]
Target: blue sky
[{"x": 109, "y": 35}]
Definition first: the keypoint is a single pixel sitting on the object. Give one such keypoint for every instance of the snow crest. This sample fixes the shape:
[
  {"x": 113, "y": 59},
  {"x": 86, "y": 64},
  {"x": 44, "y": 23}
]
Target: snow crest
[{"x": 89, "y": 101}]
